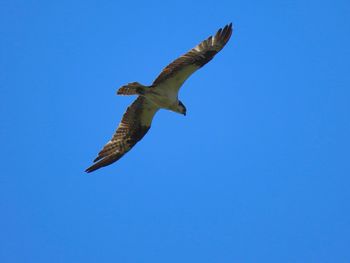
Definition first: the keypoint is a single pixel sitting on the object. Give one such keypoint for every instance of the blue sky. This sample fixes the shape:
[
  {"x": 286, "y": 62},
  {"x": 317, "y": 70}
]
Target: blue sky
[{"x": 258, "y": 170}]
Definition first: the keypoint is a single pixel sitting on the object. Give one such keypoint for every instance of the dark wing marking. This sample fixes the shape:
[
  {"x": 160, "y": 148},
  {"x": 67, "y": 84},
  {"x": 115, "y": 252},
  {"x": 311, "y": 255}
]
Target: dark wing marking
[
  {"x": 180, "y": 69},
  {"x": 134, "y": 125}
]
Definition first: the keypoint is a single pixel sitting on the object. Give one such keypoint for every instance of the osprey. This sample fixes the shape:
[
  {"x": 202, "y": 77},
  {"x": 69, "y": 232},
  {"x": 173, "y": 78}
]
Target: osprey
[{"x": 162, "y": 94}]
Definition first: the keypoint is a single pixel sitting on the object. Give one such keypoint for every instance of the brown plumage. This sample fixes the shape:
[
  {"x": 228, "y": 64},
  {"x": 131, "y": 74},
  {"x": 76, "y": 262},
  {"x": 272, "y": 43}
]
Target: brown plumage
[
  {"x": 162, "y": 93},
  {"x": 134, "y": 125},
  {"x": 198, "y": 56},
  {"x": 133, "y": 88}
]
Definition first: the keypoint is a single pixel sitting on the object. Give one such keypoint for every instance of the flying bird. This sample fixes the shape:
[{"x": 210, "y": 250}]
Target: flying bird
[{"x": 162, "y": 94}]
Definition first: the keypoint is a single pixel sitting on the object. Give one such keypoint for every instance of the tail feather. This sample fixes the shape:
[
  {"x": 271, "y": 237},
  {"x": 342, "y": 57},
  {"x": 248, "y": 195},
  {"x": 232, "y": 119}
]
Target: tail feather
[{"x": 133, "y": 88}]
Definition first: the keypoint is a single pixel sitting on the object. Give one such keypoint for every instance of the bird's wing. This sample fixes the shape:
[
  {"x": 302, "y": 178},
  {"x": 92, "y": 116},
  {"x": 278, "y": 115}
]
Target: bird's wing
[
  {"x": 183, "y": 67},
  {"x": 134, "y": 125}
]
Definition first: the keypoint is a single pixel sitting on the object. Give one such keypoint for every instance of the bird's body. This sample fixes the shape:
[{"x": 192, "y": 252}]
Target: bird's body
[
  {"x": 162, "y": 94},
  {"x": 163, "y": 99}
]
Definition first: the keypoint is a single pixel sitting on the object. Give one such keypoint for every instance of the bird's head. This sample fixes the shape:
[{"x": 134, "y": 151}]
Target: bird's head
[{"x": 182, "y": 108}]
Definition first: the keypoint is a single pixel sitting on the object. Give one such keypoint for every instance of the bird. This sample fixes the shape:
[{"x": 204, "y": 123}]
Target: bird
[{"x": 161, "y": 94}]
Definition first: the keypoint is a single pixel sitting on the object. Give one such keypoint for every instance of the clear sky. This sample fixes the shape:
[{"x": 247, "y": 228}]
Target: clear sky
[{"x": 258, "y": 170}]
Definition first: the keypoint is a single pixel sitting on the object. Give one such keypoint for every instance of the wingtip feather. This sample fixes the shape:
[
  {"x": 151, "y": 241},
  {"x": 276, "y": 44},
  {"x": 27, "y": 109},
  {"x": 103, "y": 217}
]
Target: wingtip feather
[{"x": 103, "y": 162}]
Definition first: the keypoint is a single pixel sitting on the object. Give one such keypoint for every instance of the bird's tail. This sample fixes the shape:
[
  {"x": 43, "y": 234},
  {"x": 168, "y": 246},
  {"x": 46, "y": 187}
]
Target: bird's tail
[{"x": 133, "y": 88}]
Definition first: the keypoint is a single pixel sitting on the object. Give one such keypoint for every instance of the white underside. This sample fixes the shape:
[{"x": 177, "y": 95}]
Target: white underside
[
  {"x": 161, "y": 96},
  {"x": 165, "y": 95}
]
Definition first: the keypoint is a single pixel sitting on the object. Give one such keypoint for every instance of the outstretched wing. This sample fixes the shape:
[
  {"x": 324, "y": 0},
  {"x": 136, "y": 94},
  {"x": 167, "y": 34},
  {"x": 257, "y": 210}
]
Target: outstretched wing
[
  {"x": 180, "y": 69},
  {"x": 134, "y": 125}
]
